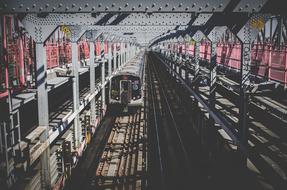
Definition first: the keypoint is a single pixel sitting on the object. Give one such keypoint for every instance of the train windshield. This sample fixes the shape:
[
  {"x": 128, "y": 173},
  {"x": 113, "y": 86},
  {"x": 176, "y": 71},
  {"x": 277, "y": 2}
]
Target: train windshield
[{"x": 115, "y": 88}]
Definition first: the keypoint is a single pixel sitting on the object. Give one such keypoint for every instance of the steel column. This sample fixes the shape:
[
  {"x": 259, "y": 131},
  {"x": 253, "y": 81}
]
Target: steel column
[
  {"x": 76, "y": 95},
  {"x": 244, "y": 97},
  {"x": 103, "y": 77},
  {"x": 196, "y": 60},
  {"x": 21, "y": 56},
  {"x": 212, "y": 83},
  {"x": 125, "y": 53},
  {"x": 110, "y": 58},
  {"x": 43, "y": 111},
  {"x": 92, "y": 83},
  {"x": 115, "y": 56},
  {"x": 247, "y": 34},
  {"x": 214, "y": 36},
  {"x": 128, "y": 51},
  {"x": 121, "y": 55}
]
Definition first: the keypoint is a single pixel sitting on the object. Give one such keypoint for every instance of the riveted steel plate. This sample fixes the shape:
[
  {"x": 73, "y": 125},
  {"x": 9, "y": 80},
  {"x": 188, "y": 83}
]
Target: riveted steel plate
[
  {"x": 73, "y": 6},
  {"x": 250, "y": 6},
  {"x": 201, "y": 19},
  {"x": 250, "y": 30},
  {"x": 216, "y": 33}
]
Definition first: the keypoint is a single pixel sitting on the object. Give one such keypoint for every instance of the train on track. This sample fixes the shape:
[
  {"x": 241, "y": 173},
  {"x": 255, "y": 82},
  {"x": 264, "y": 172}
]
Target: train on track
[{"x": 126, "y": 86}]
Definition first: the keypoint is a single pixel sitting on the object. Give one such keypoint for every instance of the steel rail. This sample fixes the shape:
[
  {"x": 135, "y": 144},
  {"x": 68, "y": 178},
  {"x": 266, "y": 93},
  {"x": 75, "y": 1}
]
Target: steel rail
[
  {"x": 171, "y": 114},
  {"x": 152, "y": 91}
]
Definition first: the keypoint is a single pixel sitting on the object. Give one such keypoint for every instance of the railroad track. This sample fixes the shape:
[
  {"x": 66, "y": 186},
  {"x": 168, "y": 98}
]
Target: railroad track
[
  {"x": 123, "y": 162},
  {"x": 178, "y": 145}
]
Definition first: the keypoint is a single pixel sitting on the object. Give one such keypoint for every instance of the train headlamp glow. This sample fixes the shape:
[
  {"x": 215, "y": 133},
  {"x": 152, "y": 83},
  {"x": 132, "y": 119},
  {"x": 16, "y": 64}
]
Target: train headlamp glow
[{"x": 135, "y": 87}]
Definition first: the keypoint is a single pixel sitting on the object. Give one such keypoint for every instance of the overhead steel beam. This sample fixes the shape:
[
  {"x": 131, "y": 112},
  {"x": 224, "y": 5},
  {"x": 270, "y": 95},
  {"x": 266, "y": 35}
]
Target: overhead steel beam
[
  {"x": 100, "y": 19},
  {"x": 126, "y": 31},
  {"x": 75, "y": 6},
  {"x": 157, "y": 19},
  {"x": 250, "y": 6}
]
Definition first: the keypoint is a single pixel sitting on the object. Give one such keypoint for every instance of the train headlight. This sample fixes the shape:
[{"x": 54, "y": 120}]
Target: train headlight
[
  {"x": 117, "y": 98},
  {"x": 135, "y": 87},
  {"x": 134, "y": 98}
]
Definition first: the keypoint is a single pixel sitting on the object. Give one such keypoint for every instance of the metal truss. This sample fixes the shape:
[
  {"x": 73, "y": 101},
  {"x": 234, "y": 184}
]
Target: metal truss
[
  {"x": 41, "y": 27},
  {"x": 246, "y": 30}
]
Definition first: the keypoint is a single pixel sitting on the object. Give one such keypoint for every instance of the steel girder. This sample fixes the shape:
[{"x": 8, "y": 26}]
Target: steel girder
[
  {"x": 74, "y": 6},
  {"x": 112, "y": 19},
  {"x": 169, "y": 6},
  {"x": 125, "y": 27}
]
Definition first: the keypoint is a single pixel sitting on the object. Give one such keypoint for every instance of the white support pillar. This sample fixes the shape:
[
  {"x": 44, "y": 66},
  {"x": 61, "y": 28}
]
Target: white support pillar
[
  {"x": 115, "y": 57},
  {"x": 180, "y": 53},
  {"x": 110, "y": 58},
  {"x": 128, "y": 51},
  {"x": 122, "y": 54},
  {"x": 103, "y": 77},
  {"x": 92, "y": 83},
  {"x": 76, "y": 95},
  {"x": 125, "y": 53},
  {"x": 43, "y": 112}
]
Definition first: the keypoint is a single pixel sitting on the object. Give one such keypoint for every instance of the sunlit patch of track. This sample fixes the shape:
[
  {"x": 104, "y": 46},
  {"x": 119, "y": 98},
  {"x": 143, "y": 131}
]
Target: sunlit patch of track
[{"x": 123, "y": 164}]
